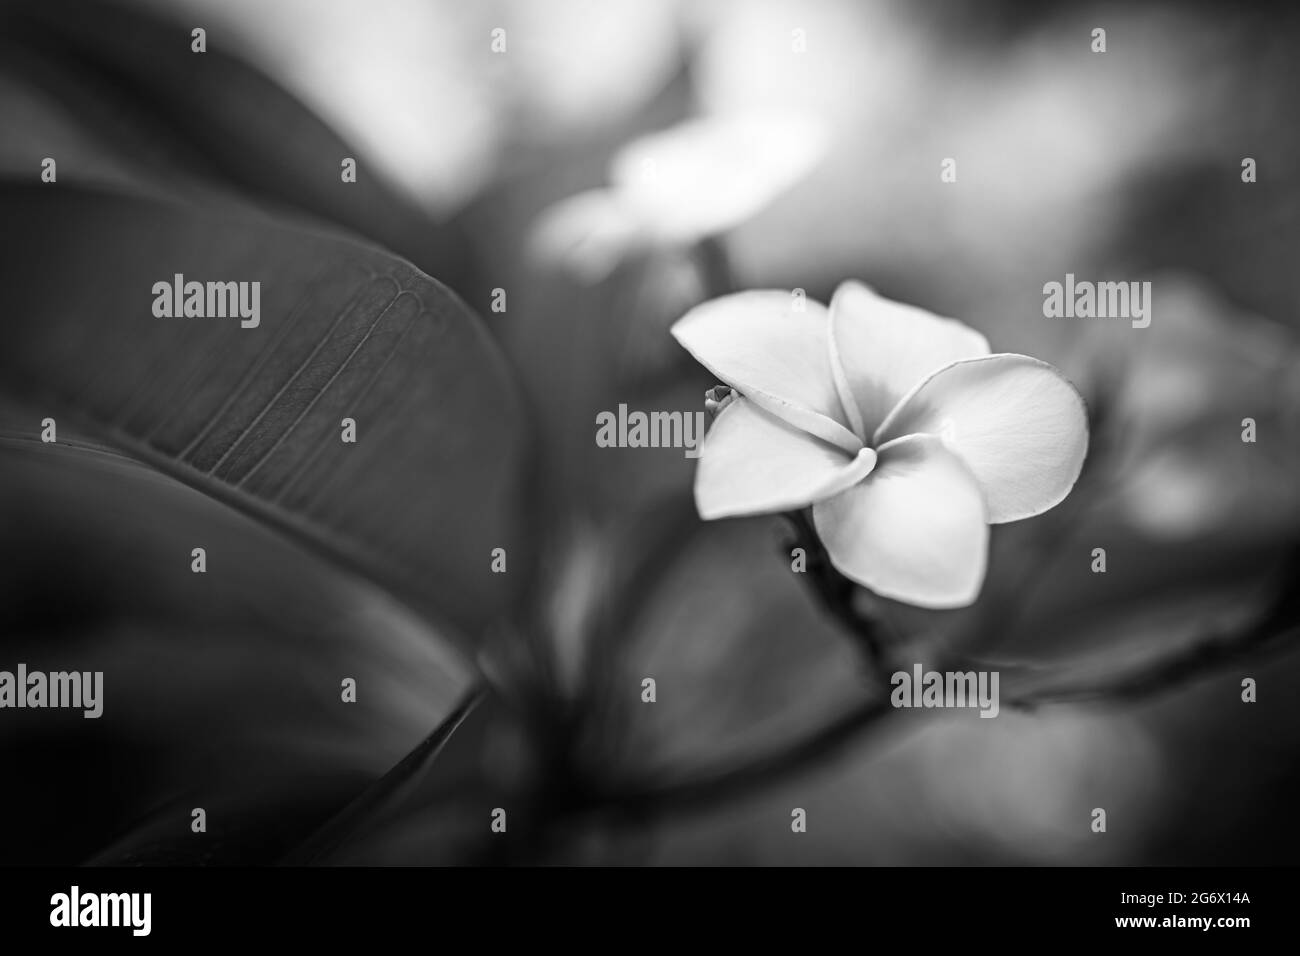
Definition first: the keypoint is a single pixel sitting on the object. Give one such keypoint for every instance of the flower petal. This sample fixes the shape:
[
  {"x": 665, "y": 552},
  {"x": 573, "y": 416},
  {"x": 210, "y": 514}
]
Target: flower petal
[
  {"x": 759, "y": 345},
  {"x": 1017, "y": 422},
  {"x": 708, "y": 175},
  {"x": 880, "y": 350},
  {"x": 587, "y": 234},
  {"x": 751, "y": 462},
  {"x": 915, "y": 530}
]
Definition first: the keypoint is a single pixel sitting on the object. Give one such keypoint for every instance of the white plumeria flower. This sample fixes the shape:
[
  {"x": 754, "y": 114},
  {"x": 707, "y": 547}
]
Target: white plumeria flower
[
  {"x": 677, "y": 186},
  {"x": 903, "y": 432}
]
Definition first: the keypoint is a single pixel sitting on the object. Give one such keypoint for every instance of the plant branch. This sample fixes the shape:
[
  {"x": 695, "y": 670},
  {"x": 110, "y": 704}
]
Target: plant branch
[{"x": 1270, "y": 632}]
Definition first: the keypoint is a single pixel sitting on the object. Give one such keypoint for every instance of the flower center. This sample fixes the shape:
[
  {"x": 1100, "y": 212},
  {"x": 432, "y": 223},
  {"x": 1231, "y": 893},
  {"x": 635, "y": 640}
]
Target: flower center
[{"x": 863, "y": 464}]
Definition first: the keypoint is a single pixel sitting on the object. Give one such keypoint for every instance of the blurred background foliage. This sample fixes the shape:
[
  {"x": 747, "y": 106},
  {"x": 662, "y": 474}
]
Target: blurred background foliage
[{"x": 1123, "y": 165}]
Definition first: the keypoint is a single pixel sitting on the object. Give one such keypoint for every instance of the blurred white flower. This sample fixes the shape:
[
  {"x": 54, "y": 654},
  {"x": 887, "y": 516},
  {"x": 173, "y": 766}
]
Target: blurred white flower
[
  {"x": 401, "y": 80},
  {"x": 903, "y": 432},
  {"x": 1046, "y": 141},
  {"x": 417, "y": 88},
  {"x": 577, "y": 64},
  {"x": 678, "y": 186}
]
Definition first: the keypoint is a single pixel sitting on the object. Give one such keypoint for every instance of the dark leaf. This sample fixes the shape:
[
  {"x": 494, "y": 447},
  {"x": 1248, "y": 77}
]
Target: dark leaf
[
  {"x": 221, "y": 690},
  {"x": 252, "y": 416}
]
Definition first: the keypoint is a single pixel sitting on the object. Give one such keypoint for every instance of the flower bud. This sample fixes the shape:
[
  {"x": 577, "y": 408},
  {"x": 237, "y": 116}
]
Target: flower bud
[{"x": 717, "y": 398}]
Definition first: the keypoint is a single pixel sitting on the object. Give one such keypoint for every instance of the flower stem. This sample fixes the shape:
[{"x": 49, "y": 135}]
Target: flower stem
[
  {"x": 834, "y": 590},
  {"x": 715, "y": 267}
]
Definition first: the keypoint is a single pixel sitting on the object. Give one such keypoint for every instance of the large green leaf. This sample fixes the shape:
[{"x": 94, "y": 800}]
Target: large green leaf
[{"x": 252, "y": 416}]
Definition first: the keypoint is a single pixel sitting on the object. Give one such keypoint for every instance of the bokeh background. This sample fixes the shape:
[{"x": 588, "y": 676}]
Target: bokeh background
[{"x": 1122, "y": 165}]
